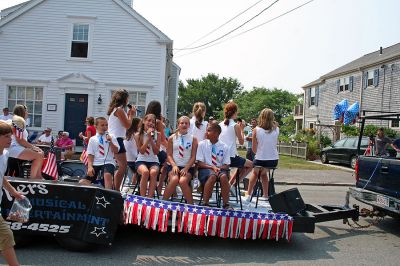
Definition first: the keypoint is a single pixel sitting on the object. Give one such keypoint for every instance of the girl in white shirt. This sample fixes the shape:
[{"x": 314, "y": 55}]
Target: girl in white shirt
[
  {"x": 131, "y": 146},
  {"x": 265, "y": 140},
  {"x": 181, "y": 152},
  {"x": 230, "y": 132},
  {"x": 198, "y": 126},
  {"x": 20, "y": 147},
  {"x": 147, "y": 164},
  {"x": 118, "y": 122}
]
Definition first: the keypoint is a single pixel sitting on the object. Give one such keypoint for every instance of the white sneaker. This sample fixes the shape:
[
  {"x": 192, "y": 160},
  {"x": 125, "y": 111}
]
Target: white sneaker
[
  {"x": 196, "y": 183},
  {"x": 178, "y": 190},
  {"x": 248, "y": 199},
  {"x": 232, "y": 190},
  {"x": 125, "y": 190}
]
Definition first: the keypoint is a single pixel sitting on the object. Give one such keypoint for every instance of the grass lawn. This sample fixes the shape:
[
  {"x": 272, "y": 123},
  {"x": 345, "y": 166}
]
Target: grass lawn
[{"x": 287, "y": 162}]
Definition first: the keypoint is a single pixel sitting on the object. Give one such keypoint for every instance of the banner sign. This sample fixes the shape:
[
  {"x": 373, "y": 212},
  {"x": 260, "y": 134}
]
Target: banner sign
[
  {"x": 87, "y": 213},
  {"x": 206, "y": 221}
]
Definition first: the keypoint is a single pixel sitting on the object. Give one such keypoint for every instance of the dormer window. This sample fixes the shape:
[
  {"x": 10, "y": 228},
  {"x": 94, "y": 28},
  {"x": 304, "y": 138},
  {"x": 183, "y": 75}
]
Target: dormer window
[{"x": 80, "y": 41}]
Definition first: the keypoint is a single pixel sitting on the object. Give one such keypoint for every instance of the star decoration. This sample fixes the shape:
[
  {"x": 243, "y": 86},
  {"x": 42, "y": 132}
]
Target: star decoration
[
  {"x": 102, "y": 201},
  {"x": 98, "y": 231},
  {"x": 152, "y": 203}
]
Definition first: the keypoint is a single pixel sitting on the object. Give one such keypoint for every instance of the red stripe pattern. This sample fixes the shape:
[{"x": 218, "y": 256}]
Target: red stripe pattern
[
  {"x": 213, "y": 155},
  {"x": 50, "y": 165},
  {"x": 199, "y": 220}
]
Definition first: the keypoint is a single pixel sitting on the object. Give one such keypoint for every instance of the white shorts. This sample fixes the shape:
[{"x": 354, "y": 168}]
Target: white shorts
[{"x": 15, "y": 151}]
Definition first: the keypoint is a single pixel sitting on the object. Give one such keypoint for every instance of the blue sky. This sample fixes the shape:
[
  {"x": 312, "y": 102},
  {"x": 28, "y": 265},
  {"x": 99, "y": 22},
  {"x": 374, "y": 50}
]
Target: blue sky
[{"x": 286, "y": 53}]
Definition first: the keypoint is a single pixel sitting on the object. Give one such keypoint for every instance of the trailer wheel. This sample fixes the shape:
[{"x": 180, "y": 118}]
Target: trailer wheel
[
  {"x": 324, "y": 158},
  {"x": 73, "y": 244}
]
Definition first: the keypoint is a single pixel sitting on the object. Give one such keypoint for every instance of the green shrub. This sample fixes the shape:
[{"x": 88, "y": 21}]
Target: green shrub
[
  {"x": 313, "y": 150},
  {"x": 350, "y": 130},
  {"x": 325, "y": 141},
  {"x": 372, "y": 129}
]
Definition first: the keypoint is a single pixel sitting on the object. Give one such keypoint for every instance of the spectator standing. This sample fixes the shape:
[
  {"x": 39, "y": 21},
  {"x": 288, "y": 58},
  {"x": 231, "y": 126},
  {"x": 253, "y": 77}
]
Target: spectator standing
[
  {"x": 382, "y": 142},
  {"x": 6, "y": 235},
  {"x": 90, "y": 130},
  {"x": 6, "y": 114},
  {"x": 249, "y": 137},
  {"x": 198, "y": 126},
  {"x": 118, "y": 122}
]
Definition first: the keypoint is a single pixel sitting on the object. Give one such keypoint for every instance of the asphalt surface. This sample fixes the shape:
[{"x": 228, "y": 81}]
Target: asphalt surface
[{"x": 333, "y": 243}]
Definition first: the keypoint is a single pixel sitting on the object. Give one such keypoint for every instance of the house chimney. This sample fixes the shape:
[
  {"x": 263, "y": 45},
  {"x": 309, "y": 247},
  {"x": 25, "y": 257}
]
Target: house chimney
[
  {"x": 380, "y": 51},
  {"x": 128, "y": 2}
]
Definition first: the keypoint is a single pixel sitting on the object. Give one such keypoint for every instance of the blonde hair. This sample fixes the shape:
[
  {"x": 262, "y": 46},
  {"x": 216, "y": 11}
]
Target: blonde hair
[
  {"x": 198, "y": 111},
  {"x": 18, "y": 122},
  {"x": 179, "y": 120},
  {"x": 266, "y": 120}
]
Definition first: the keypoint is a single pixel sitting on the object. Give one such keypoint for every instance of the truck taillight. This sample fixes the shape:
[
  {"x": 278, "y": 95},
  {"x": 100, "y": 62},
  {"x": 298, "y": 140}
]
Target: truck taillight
[{"x": 356, "y": 171}]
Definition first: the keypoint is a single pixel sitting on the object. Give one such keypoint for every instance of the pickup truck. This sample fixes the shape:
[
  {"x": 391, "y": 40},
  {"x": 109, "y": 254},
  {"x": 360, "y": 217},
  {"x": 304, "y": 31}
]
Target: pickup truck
[{"x": 378, "y": 178}]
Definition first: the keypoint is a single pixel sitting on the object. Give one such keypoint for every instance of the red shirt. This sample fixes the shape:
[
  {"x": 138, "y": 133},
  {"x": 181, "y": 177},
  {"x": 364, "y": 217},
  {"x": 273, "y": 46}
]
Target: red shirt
[{"x": 92, "y": 131}]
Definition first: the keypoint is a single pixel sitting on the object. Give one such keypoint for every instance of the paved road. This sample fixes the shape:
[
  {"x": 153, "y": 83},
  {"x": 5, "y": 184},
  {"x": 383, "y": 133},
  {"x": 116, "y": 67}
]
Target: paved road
[{"x": 332, "y": 244}]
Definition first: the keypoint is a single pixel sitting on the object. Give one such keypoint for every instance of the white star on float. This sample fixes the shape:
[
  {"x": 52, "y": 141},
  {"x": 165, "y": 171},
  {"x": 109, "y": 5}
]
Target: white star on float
[
  {"x": 152, "y": 203},
  {"x": 235, "y": 213},
  {"x": 195, "y": 209},
  {"x": 243, "y": 214},
  {"x": 251, "y": 215},
  {"x": 211, "y": 212},
  {"x": 203, "y": 211},
  {"x": 135, "y": 200},
  {"x": 98, "y": 231},
  {"x": 102, "y": 201},
  {"x": 259, "y": 216},
  {"x": 169, "y": 206},
  {"x": 219, "y": 212},
  {"x": 161, "y": 205},
  {"x": 228, "y": 213}
]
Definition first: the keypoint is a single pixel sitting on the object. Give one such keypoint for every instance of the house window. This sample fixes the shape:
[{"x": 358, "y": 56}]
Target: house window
[
  {"x": 311, "y": 125},
  {"x": 395, "y": 123},
  {"x": 137, "y": 99},
  {"x": 32, "y": 97},
  {"x": 312, "y": 96},
  {"x": 370, "y": 77},
  {"x": 344, "y": 84},
  {"x": 80, "y": 41}
]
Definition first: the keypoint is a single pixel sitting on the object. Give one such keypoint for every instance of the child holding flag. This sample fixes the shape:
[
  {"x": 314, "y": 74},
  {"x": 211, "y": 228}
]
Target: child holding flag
[{"x": 101, "y": 150}]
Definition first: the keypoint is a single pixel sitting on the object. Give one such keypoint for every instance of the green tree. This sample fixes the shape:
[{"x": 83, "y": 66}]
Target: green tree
[
  {"x": 279, "y": 101},
  {"x": 211, "y": 89}
]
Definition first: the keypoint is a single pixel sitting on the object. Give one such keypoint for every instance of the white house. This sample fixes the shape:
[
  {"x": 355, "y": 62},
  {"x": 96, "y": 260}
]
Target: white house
[{"x": 64, "y": 58}]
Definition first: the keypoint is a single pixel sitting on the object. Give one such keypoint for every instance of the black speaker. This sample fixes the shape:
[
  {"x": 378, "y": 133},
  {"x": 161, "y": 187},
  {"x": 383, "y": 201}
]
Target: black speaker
[{"x": 288, "y": 201}]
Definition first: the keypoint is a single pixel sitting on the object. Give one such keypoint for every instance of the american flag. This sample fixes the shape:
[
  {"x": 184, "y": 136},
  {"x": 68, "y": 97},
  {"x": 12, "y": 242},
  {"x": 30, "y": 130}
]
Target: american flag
[
  {"x": 84, "y": 155},
  {"x": 18, "y": 132},
  {"x": 50, "y": 164},
  {"x": 206, "y": 221}
]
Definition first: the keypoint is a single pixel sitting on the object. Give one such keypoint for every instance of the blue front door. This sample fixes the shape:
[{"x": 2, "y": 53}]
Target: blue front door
[{"x": 75, "y": 115}]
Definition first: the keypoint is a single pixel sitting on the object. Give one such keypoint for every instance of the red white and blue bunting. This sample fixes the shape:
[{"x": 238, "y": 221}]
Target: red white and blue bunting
[{"x": 206, "y": 221}]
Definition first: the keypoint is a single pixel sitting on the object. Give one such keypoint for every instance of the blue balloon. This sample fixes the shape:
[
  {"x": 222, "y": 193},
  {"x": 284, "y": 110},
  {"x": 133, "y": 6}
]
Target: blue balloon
[
  {"x": 339, "y": 109},
  {"x": 351, "y": 113}
]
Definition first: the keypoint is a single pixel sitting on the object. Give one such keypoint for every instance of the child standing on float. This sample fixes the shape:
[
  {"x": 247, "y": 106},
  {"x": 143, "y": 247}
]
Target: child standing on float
[
  {"x": 147, "y": 163},
  {"x": 181, "y": 152},
  {"x": 198, "y": 126}
]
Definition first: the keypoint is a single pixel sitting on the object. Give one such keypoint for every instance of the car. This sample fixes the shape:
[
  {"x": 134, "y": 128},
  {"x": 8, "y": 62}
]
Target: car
[{"x": 344, "y": 151}]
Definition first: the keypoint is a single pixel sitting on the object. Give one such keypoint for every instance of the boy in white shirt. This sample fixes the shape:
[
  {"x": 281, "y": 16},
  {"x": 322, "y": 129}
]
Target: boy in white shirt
[
  {"x": 6, "y": 236},
  {"x": 101, "y": 150},
  {"x": 213, "y": 162}
]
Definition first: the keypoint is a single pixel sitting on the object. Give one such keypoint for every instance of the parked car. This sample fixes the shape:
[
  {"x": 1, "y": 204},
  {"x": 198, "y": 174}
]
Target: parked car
[{"x": 344, "y": 151}]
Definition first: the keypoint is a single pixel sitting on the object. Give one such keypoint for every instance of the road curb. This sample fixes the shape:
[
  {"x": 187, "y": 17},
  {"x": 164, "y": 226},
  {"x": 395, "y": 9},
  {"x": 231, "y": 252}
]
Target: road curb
[{"x": 315, "y": 184}]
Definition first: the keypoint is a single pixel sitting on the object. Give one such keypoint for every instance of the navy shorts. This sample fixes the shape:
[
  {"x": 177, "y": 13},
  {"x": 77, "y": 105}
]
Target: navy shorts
[
  {"x": 191, "y": 169},
  {"x": 250, "y": 154},
  {"x": 148, "y": 164},
  {"x": 99, "y": 170},
  {"x": 266, "y": 163},
  {"x": 237, "y": 161},
  {"x": 132, "y": 166},
  {"x": 162, "y": 157},
  {"x": 121, "y": 145},
  {"x": 204, "y": 174}
]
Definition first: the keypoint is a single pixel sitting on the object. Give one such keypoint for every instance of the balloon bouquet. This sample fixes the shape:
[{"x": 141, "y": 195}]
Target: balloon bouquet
[{"x": 346, "y": 114}]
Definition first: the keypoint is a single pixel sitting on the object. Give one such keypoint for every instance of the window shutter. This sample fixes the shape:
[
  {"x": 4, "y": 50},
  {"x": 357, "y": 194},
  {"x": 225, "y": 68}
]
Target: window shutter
[
  {"x": 376, "y": 77},
  {"x": 309, "y": 97},
  {"x": 316, "y": 95},
  {"x": 365, "y": 80},
  {"x": 338, "y": 85},
  {"x": 351, "y": 83}
]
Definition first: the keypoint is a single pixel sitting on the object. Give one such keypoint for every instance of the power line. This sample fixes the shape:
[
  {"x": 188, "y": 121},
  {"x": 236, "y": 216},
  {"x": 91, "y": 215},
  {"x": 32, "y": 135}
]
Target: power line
[
  {"x": 238, "y": 27},
  {"x": 214, "y": 30},
  {"x": 255, "y": 27}
]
